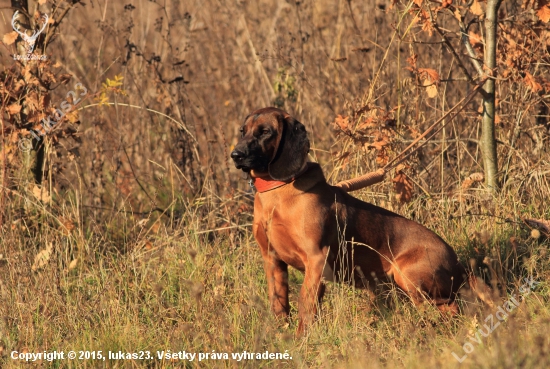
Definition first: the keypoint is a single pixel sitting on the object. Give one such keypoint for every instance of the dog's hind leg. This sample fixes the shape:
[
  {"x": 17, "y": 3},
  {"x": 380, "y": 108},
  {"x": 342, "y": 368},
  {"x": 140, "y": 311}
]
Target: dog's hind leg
[{"x": 435, "y": 287}]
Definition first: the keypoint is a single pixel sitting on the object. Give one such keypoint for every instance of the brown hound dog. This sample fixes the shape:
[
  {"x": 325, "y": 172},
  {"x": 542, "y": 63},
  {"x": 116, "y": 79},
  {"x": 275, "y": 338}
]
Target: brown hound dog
[{"x": 302, "y": 221}]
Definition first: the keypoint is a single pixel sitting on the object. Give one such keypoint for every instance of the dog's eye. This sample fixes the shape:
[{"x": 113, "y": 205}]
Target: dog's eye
[
  {"x": 242, "y": 131},
  {"x": 266, "y": 132}
]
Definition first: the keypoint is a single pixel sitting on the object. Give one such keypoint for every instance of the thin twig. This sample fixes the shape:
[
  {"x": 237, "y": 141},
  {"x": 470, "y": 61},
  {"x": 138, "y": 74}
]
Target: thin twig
[
  {"x": 180, "y": 124},
  {"x": 462, "y": 102},
  {"x": 466, "y": 41},
  {"x": 223, "y": 228},
  {"x": 135, "y": 175},
  {"x": 453, "y": 51},
  {"x": 148, "y": 212},
  {"x": 56, "y": 24}
]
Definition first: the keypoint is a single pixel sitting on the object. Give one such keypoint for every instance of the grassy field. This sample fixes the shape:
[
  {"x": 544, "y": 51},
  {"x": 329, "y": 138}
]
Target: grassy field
[
  {"x": 154, "y": 286},
  {"x": 136, "y": 236}
]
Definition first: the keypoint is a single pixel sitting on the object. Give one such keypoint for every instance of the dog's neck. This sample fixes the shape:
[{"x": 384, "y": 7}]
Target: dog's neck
[{"x": 263, "y": 181}]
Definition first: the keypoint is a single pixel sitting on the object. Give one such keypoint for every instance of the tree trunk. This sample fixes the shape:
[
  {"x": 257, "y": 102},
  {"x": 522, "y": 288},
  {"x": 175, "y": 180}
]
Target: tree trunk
[
  {"x": 488, "y": 141},
  {"x": 20, "y": 5},
  {"x": 26, "y": 7}
]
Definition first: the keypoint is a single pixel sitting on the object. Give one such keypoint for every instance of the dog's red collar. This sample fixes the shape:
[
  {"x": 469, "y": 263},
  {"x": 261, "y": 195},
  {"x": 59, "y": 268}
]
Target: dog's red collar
[{"x": 267, "y": 183}]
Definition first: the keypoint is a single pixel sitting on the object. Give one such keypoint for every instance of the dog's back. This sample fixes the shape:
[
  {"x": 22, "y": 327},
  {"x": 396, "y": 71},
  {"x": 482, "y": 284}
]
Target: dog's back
[{"x": 376, "y": 243}]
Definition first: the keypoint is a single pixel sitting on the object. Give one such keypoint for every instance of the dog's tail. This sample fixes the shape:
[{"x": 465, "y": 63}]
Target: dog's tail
[{"x": 481, "y": 289}]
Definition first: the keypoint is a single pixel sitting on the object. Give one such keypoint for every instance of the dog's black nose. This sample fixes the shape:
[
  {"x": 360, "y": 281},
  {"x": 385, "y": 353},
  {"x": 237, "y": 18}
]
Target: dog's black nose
[{"x": 237, "y": 155}]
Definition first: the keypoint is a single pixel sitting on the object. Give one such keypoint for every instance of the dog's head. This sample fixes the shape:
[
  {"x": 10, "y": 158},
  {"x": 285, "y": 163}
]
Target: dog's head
[{"x": 273, "y": 142}]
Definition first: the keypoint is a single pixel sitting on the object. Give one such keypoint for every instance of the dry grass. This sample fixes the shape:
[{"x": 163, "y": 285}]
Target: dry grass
[
  {"x": 147, "y": 287},
  {"x": 190, "y": 277}
]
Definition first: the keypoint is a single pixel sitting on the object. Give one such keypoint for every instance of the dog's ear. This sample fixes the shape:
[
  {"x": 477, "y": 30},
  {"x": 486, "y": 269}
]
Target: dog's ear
[{"x": 291, "y": 151}]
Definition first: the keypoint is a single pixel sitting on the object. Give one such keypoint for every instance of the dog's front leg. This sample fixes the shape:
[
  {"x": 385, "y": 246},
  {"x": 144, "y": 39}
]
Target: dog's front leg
[
  {"x": 311, "y": 292},
  {"x": 277, "y": 283},
  {"x": 276, "y": 272}
]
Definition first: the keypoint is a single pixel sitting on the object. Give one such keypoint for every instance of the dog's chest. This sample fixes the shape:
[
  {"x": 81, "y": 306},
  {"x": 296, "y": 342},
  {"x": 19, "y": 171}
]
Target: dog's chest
[
  {"x": 295, "y": 227},
  {"x": 285, "y": 238}
]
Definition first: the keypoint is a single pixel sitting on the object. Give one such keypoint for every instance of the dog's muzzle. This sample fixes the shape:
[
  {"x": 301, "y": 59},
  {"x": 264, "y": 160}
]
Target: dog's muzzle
[{"x": 239, "y": 158}]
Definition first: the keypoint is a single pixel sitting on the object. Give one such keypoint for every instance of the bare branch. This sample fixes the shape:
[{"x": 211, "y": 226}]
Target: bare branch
[
  {"x": 57, "y": 22},
  {"x": 455, "y": 54},
  {"x": 466, "y": 41},
  {"x": 451, "y": 48}
]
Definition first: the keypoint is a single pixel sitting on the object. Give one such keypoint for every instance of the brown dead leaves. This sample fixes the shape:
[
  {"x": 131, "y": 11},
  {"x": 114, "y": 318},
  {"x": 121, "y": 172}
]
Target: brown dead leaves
[
  {"x": 73, "y": 264},
  {"x": 9, "y": 38},
  {"x": 476, "y": 41},
  {"x": 539, "y": 224},
  {"x": 343, "y": 124},
  {"x": 431, "y": 81},
  {"x": 41, "y": 194},
  {"x": 13, "y": 108},
  {"x": 523, "y": 44},
  {"x": 530, "y": 82},
  {"x": 42, "y": 258},
  {"x": 371, "y": 128},
  {"x": 429, "y": 74},
  {"x": 374, "y": 129},
  {"x": 428, "y": 77},
  {"x": 476, "y": 8},
  {"x": 381, "y": 145},
  {"x": 403, "y": 185},
  {"x": 67, "y": 225},
  {"x": 543, "y": 11},
  {"x": 472, "y": 179}
]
